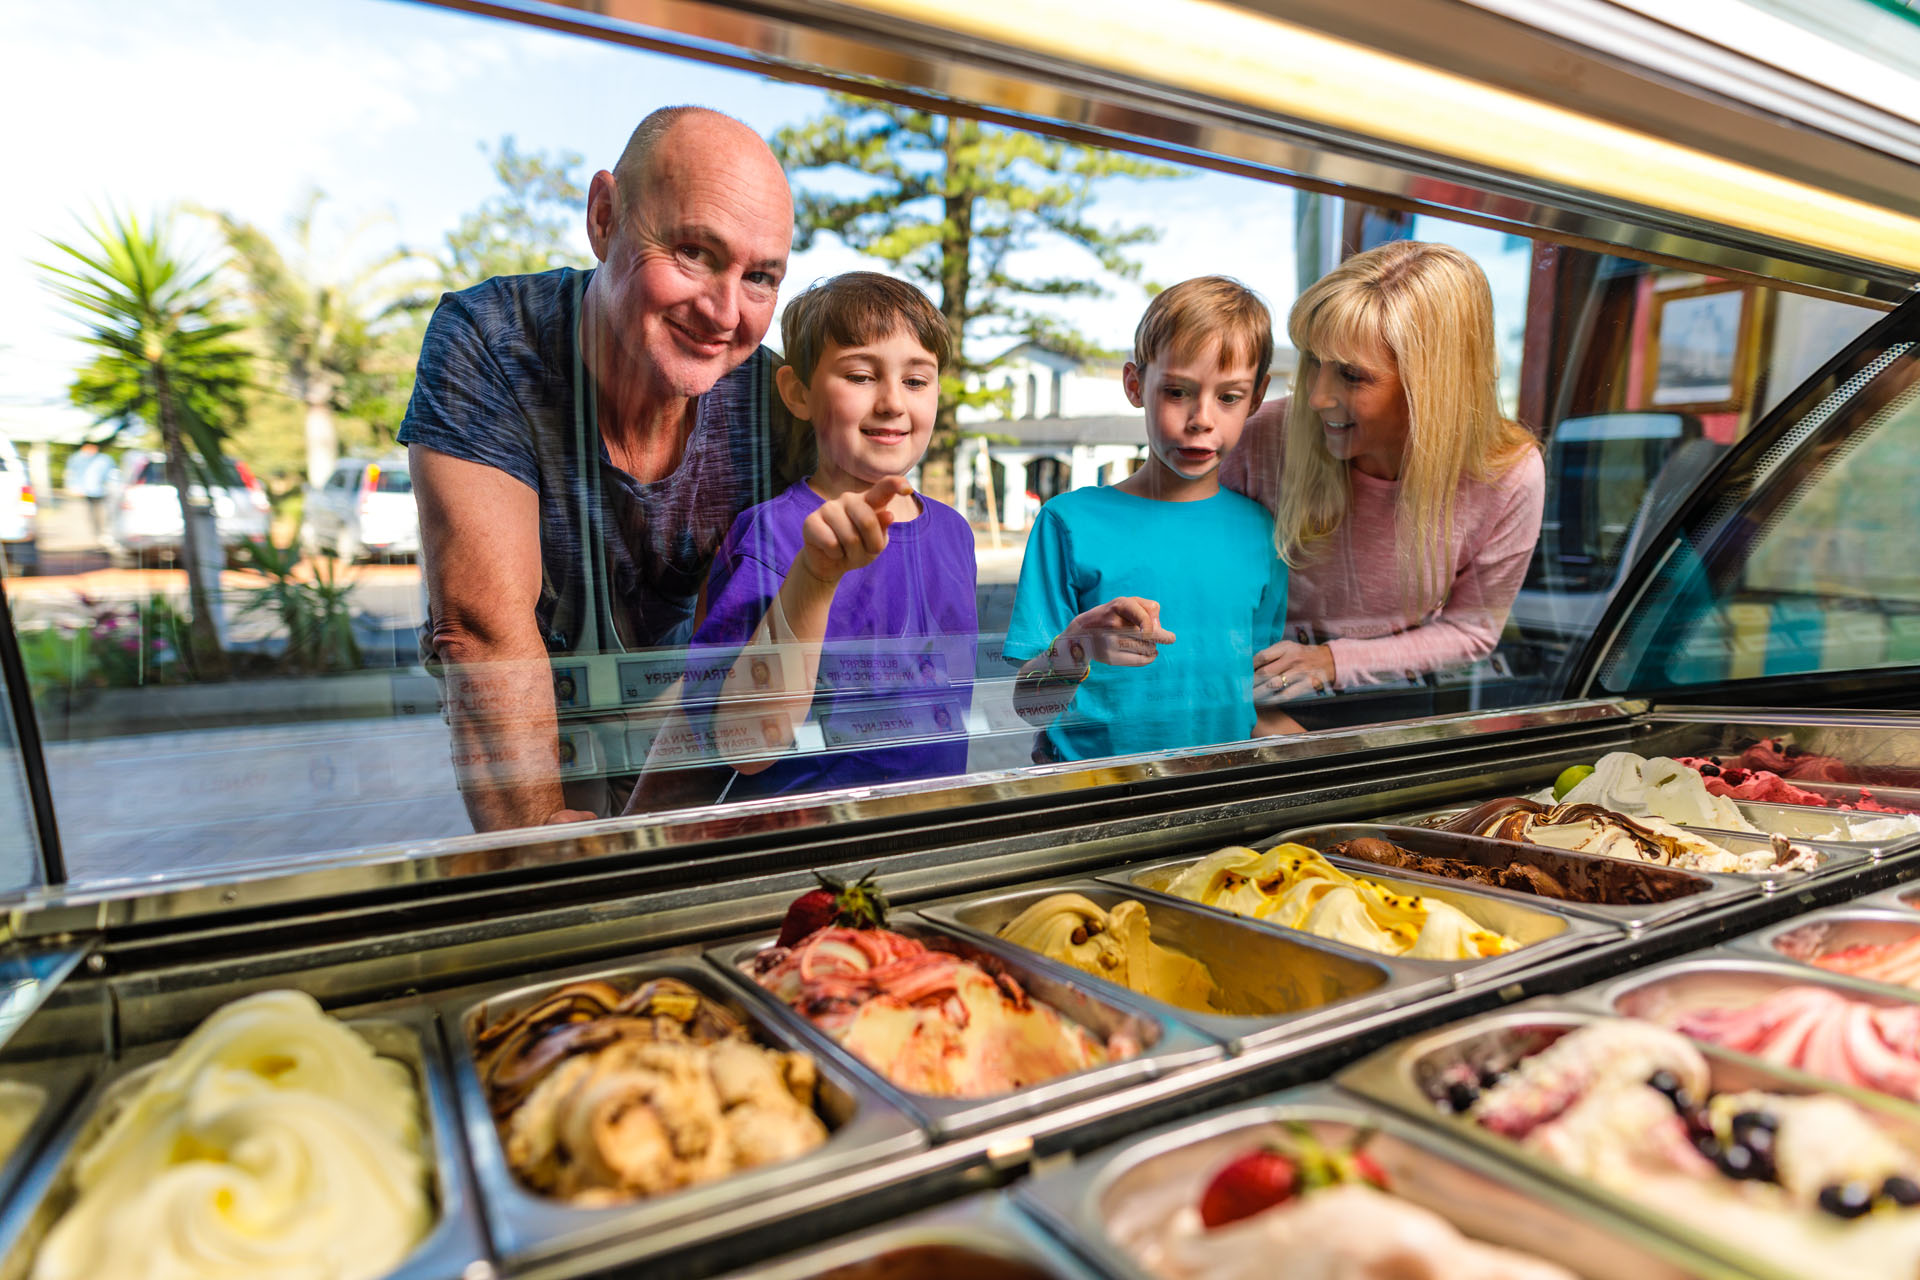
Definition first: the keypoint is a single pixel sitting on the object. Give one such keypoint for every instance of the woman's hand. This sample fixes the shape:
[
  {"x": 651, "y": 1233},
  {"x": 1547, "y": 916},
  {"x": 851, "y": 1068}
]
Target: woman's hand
[
  {"x": 1286, "y": 671},
  {"x": 1123, "y": 632}
]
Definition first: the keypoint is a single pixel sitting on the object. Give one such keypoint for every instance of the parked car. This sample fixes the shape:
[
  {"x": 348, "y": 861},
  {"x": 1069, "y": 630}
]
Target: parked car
[
  {"x": 19, "y": 513},
  {"x": 146, "y": 509},
  {"x": 365, "y": 508}
]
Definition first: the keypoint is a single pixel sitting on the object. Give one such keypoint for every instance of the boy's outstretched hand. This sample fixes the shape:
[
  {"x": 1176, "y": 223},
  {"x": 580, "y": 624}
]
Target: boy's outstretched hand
[
  {"x": 849, "y": 532},
  {"x": 1123, "y": 632}
]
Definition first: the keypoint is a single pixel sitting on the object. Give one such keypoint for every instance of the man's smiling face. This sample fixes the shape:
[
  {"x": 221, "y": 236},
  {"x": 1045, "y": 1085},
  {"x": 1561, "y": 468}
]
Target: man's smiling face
[{"x": 693, "y": 270}]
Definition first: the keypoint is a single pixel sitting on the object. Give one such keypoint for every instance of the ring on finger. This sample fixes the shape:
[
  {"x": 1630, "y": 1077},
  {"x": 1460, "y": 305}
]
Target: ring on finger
[{"x": 1285, "y": 681}]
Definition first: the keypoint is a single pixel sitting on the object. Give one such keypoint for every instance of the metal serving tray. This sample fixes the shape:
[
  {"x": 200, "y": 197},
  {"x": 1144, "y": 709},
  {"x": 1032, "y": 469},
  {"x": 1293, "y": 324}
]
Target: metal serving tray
[
  {"x": 452, "y": 1244},
  {"x": 1166, "y": 1044},
  {"x": 985, "y": 1237},
  {"x": 1633, "y": 895},
  {"x": 1800, "y": 823},
  {"x": 1883, "y": 747},
  {"x": 1901, "y": 898},
  {"x": 1822, "y": 932},
  {"x": 865, "y": 1129},
  {"x": 1721, "y": 979},
  {"x": 1543, "y": 932},
  {"x": 55, "y": 1086},
  {"x": 1281, "y": 982},
  {"x": 1405, "y": 1076},
  {"x": 1485, "y": 1199}
]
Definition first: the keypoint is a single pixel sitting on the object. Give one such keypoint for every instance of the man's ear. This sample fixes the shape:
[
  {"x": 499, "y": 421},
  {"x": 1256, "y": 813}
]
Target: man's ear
[
  {"x": 603, "y": 212},
  {"x": 793, "y": 392},
  {"x": 1130, "y": 380}
]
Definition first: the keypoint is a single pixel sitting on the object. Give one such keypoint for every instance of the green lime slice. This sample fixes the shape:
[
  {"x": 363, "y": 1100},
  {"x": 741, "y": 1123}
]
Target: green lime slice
[{"x": 1570, "y": 777}]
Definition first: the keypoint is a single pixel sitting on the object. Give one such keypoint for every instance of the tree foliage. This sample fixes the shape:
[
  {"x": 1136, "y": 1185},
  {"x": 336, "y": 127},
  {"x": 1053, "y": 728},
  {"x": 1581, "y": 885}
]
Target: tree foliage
[
  {"x": 952, "y": 204},
  {"x": 319, "y": 312},
  {"x": 530, "y": 225},
  {"x": 163, "y": 355}
]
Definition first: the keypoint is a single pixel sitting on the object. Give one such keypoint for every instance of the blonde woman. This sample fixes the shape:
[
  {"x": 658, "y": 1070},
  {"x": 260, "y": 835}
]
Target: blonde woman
[{"x": 1406, "y": 505}]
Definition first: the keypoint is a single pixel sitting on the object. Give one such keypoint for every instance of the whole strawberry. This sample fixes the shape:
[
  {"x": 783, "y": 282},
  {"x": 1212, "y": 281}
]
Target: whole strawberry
[
  {"x": 1247, "y": 1185},
  {"x": 1259, "y": 1180},
  {"x": 860, "y": 905}
]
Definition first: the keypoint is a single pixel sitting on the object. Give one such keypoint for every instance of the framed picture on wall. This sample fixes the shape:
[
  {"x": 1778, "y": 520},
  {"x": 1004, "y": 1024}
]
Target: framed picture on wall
[{"x": 1697, "y": 348}]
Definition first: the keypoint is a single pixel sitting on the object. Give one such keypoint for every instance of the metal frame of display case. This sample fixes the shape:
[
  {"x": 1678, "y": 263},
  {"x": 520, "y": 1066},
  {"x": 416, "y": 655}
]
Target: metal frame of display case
[{"x": 405, "y": 928}]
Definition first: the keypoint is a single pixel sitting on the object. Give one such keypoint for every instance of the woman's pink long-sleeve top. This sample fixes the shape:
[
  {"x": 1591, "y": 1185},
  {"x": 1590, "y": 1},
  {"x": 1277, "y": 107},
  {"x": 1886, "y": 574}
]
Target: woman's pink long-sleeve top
[{"x": 1348, "y": 592}]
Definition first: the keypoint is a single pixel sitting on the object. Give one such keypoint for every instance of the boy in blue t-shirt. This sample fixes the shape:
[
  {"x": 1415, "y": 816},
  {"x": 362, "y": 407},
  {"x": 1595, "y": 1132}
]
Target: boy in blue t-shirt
[
  {"x": 854, "y": 596},
  {"x": 1141, "y": 604}
]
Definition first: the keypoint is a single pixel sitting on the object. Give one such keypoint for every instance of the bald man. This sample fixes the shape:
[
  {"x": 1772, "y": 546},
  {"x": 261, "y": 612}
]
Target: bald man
[{"x": 582, "y": 440}]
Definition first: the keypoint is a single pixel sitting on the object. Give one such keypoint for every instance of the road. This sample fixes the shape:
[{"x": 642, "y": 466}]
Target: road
[{"x": 136, "y": 805}]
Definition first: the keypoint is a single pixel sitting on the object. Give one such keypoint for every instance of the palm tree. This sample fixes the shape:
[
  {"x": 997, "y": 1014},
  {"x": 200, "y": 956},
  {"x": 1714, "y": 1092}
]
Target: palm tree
[
  {"x": 163, "y": 356},
  {"x": 318, "y": 320}
]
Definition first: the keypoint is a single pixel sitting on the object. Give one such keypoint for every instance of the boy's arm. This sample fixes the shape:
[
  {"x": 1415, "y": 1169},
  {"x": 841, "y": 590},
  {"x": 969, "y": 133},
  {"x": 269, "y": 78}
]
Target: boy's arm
[
  {"x": 1123, "y": 632},
  {"x": 843, "y": 535}
]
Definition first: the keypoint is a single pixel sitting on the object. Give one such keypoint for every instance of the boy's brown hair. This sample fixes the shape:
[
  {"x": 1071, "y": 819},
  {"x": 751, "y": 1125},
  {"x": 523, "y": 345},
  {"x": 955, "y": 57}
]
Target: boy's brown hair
[
  {"x": 858, "y": 307},
  {"x": 1182, "y": 320}
]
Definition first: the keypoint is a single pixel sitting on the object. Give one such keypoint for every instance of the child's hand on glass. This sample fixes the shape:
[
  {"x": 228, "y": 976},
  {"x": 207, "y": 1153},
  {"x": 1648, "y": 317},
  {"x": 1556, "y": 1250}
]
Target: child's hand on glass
[
  {"x": 849, "y": 532},
  {"x": 1123, "y": 632}
]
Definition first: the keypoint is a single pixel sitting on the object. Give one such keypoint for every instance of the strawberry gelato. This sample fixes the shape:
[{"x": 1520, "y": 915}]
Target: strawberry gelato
[{"x": 930, "y": 1021}]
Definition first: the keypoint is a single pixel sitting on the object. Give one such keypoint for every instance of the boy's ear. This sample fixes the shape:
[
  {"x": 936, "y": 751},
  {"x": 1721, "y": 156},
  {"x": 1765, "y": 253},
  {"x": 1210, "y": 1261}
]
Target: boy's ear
[
  {"x": 1259, "y": 394},
  {"x": 1130, "y": 379},
  {"x": 793, "y": 392}
]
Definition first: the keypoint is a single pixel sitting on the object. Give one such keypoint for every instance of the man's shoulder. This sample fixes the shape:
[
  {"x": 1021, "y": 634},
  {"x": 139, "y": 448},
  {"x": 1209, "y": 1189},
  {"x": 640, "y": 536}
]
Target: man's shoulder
[{"x": 518, "y": 321}]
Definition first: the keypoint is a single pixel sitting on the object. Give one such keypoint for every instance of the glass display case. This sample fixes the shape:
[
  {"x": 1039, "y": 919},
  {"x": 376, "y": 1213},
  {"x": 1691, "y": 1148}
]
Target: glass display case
[{"x": 260, "y": 908}]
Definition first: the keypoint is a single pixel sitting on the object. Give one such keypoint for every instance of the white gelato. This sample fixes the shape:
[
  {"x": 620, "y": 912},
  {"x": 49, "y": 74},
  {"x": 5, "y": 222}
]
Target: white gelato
[
  {"x": 1658, "y": 787},
  {"x": 272, "y": 1143},
  {"x": 1875, "y": 830}
]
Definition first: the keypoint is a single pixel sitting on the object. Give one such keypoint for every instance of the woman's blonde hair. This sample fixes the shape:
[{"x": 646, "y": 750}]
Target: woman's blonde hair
[{"x": 1430, "y": 307}]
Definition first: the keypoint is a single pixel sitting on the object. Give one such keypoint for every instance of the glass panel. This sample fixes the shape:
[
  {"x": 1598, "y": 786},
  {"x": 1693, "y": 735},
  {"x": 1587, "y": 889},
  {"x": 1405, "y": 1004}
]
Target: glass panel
[
  {"x": 1805, "y": 566},
  {"x": 615, "y": 586}
]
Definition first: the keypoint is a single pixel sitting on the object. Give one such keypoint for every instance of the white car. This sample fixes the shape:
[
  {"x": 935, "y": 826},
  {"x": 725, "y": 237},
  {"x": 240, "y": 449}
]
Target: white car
[
  {"x": 146, "y": 508},
  {"x": 365, "y": 508},
  {"x": 19, "y": 513}
]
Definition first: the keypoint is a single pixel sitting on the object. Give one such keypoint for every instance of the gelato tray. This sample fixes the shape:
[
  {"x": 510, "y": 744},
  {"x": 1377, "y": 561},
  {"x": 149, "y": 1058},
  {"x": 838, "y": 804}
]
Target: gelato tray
[
  {"x": 1781, "y": 1013},
  {"x": 274, "y": 1140},
  {"x": 1632, "y": 895},
  {"x": 34, "y": 1099},
  {"x": 986, "y": 1237},
  {"x": 1241, "y": 983},
  {"x": 1772, "y": 857},
  {"x": 965, "y": 1032},
  {"x": 1166, "y": 1205},
  {"x": 1483, "y": 934},
  {"x": 636, "y": 1107},
  {"x": 1777, "y": 1172},
  {"x": 1623, "y": 893},
  {"x": 1872, "y": 944}
]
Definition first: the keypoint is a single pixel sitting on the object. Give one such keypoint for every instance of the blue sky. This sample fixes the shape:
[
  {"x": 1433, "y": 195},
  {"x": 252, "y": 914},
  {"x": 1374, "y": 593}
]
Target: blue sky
[{"x": 244, "y": 104}]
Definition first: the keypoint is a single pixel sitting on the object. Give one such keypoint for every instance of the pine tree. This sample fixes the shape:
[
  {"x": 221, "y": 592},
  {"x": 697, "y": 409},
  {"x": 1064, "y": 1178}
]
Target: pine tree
[{"x": 949, "y": 203}]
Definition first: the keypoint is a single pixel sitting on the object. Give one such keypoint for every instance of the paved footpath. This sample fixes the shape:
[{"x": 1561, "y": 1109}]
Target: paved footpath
[{"x": 142, "y": 805}]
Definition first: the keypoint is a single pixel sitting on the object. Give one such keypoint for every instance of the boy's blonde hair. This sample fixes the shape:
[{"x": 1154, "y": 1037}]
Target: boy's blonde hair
[
  {"x": 1430, "y": 308},
  {"x": 1181, "y": 321},
  {"x": 858, "y": 307}
]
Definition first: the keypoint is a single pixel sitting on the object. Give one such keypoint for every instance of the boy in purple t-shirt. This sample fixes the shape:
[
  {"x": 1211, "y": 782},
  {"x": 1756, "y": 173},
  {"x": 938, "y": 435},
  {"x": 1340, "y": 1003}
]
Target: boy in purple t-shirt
[{"x": 851, "y": 595}]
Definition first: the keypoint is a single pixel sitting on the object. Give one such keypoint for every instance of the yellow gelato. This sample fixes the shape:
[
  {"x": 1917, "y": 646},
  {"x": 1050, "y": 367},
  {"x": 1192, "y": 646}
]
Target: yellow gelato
[
  {"x": 1113, "y": 945},
  {"x": 1293, "y": 886},
  {"x": 273, "y": 1142}
]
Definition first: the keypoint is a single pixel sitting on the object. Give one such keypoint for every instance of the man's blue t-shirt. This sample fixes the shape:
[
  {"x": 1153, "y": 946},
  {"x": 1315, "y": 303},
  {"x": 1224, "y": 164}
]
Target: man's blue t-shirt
[
  {"x": 896, "y": 671},
  {"x": 1222, "y": 592},
  {"x": 501, "y": 383}
]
